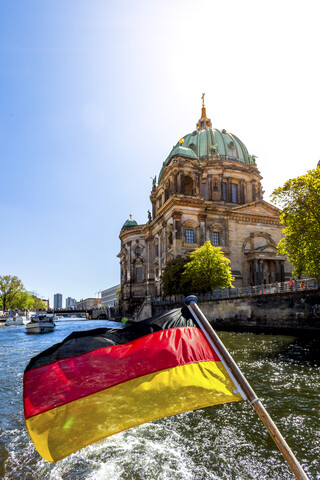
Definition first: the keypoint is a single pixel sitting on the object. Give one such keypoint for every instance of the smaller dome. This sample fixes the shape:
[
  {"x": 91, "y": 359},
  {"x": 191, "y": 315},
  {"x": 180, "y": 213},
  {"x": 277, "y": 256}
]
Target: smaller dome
[
  {"x": 178, "y": 151},
  {"x": 129, "y": 223}
]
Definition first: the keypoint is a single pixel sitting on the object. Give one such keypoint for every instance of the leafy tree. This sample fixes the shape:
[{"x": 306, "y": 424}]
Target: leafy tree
[
  {"x": 14, "y": 295},
  {"x": 173, "y": 282},
  {"x": 39, "y": 304},
  {"x": 23, "y": 301},
  {"x": 299, "y": 200},
  {"x": 10, "y": 288},
  {"x": 208, "y": 269}
]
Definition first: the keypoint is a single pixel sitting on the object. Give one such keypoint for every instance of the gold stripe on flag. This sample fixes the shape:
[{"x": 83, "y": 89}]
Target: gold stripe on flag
[{"x": 63, "y": 430}]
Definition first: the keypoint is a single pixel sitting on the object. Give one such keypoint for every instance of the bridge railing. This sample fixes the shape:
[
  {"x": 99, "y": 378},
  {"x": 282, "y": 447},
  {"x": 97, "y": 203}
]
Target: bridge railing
[{"x": 293, "y": 285}]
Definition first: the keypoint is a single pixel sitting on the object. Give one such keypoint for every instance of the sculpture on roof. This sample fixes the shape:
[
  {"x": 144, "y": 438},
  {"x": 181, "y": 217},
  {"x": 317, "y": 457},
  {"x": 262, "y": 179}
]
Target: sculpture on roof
[{"x": 154, "y": 181}]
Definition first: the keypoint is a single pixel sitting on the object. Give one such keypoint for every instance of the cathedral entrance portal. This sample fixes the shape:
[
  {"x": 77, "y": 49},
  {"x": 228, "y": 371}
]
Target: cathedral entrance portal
[{"x": 264, "y": 271}]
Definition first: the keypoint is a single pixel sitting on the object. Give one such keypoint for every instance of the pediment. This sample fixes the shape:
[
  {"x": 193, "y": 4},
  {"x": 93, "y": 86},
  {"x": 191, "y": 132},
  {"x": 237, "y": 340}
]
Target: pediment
[
  {"x": 257, "y": 208},
  {"x": 266, "y": 249}
]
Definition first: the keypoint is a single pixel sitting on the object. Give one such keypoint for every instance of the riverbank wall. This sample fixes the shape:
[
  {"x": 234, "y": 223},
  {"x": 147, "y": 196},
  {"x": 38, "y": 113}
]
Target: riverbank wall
[{"x": 274, "y": 313}]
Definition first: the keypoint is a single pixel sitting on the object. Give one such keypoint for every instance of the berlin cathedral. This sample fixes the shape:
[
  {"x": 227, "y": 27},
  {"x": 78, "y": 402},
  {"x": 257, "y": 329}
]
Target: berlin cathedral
[{"x": 209, "y": 188}]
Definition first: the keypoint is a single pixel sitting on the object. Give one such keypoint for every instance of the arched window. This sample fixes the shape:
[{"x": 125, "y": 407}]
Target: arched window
[
  {"x": 215, "y": 237},
  {"x": 204, "y": 190},
  {"x": 224, "y": 191},
  {"x": 189, "y": 235},
  {"x": 234, "y": 193},
  {"x": 188, "y": 185}
]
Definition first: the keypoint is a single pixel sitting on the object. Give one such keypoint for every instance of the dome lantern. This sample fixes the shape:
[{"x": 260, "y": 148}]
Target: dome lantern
[
  {"x": 204, "y": 121},
  {"x": 129, "y": 223}
]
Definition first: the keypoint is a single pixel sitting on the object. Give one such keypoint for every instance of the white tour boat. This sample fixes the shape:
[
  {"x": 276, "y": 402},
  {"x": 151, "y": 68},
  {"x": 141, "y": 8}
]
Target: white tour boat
[
  {"x": 41, "y": 323},
  {"x": 14, "y": 320}
]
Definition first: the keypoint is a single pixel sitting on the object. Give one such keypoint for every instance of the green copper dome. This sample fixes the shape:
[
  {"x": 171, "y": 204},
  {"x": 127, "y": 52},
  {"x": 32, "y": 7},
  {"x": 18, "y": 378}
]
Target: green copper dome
[
  {"x": 206, "y": 142},
  {"x": 210, "y": 141},
  {"x": 177, "y": 151},
  {"x": 129, "y": 223}
]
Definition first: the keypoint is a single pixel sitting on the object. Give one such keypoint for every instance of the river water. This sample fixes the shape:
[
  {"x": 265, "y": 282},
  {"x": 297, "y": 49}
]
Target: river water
[{"x": 225, "y": 442}]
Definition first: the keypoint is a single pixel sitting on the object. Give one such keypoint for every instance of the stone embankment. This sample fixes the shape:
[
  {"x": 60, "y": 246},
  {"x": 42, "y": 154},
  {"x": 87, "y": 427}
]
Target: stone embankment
[
  {"x": 280, "y": 312},
  {"x": 285, "y": 311}
]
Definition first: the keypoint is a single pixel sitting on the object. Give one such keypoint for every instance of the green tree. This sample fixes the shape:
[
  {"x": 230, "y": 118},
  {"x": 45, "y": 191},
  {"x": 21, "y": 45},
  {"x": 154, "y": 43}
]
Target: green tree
[
  {"x": 208, "y": 269},
  {"x": 39, "y": 304},
  {"x": 10, "y": 287},
  {"x": 173, "y": 281},
  {"x": 299, "y": 200},
  {"x": 23, "y": 301}
]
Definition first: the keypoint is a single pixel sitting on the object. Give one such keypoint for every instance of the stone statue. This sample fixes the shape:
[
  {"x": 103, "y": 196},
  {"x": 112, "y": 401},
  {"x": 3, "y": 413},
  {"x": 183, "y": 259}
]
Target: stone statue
[
  {"x": 154, "y": 181},
  {"x": 149, "y": 216}
]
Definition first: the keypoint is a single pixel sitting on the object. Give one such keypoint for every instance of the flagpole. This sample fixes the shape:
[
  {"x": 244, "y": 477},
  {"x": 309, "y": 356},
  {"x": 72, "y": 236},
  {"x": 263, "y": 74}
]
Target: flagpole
[{"x": 256, "y": 403}]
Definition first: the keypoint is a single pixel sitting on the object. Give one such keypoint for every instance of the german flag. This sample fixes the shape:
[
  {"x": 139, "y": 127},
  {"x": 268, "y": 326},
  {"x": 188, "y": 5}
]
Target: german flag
[{"x": 100, "y": 382}]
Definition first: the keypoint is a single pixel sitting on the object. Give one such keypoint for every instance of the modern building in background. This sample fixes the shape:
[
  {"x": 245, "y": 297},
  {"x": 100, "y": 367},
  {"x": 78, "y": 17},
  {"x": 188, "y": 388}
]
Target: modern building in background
[
  {"x": 109, "y": 296},
  {"x": 57, "y": 301},
  {"x": 208, "y": 188},
  {"x": 88, "y": 303},
  {"x": 71, "y": 302}
]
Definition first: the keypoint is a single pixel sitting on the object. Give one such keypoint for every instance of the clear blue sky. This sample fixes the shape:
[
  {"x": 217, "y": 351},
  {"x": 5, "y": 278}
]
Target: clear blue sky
[{"x": 95, "y": 93}]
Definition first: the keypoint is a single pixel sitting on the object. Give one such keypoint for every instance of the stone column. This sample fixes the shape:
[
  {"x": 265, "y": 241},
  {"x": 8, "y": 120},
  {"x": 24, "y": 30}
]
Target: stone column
[
  {"x": 172, "y": 186},
  {"x": 229, "y": 190},
  {"x": 202, "y": 228},
  {"x": 282, "y": 276},
  {"x": 209, "y": 187},
  {"x": 176, "y": 187},
  {"x": 254, "y": 193},
  {"x": 251, "y": 273},
  {"x": 181, "y": 183},
  {"x": 255, "y": 271},
  {"x": 198, "y": 184},
  {"x": 278, "y": 272},
  {"x": 159, "y": 264},
  {"x": 177, "y": 233},
  {"x": 130, "y": 269},
  {"x": 164, "y": 240},
  {"x": 150, "y": 266},
  {"x": 261, "y": 272},
  {"x": 242, "y": 197}
]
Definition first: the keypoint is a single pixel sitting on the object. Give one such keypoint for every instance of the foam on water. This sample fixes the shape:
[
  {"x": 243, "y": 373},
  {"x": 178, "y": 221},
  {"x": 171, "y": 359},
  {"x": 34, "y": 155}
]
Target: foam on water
[{"x": 217, "y": 443}]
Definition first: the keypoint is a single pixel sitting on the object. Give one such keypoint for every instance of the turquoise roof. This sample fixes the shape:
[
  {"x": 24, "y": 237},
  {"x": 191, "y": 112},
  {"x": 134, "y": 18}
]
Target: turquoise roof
[
  {"x": 177, "y": 151},
  {"x": 129, "y": 223},
  {"x": 180, "y": 151},
  {"x": 204, "y": 143},
  {"x": 211, "y": 141}
]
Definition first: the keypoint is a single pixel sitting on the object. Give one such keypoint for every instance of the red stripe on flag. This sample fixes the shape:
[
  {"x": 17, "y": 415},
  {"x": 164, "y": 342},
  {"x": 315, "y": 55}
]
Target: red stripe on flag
[{"x": 72, "y": 378}]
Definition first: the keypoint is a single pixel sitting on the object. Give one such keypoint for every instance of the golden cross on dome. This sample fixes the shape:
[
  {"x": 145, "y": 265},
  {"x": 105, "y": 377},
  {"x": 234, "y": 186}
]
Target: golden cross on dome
[{"x": 203, "y": 99}]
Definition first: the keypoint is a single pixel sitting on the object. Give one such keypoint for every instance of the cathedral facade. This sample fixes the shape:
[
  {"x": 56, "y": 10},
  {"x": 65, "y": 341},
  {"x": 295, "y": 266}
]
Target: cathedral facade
[{"x": 209, "y": 188}]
